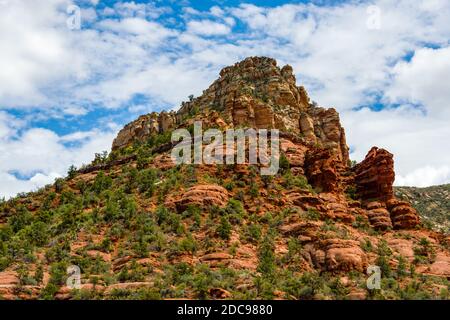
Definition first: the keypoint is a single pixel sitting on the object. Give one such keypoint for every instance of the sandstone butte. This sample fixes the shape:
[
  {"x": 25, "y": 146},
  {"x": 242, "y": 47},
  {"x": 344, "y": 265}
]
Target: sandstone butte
[{"x": 140, "y": 227}]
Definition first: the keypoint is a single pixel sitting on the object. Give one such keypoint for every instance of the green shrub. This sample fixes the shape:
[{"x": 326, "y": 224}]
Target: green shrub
[
  {"x": 424, "y": 253},
  {"x": 147, "y": 294},
  {"x": 294, "y": 247},
  {"x": 82, "y": 186},
  {"x": 111, "y": 210},
  {"x": 351, "y": 193},
  {"x": 132, "y": 273},
  {"x": 72, "y": 172},
  {"x": 313, "y": 214},
  {"x": 266, "y": 255},
  {"x": 361, "y": 223},
  {"x": 229, "y": 186},
  {"x": 146, "y": 181},
  {"x": 203, "y": 280},
  {"x": 39, "y": 273},
  {"x": 290, "y": 181},
  {"x": 401, "y": 267},
  {"x": 384, "y": 253},
  {"x": 367, "y": 245},
  {"x": 58, "y": 252},
  {"x": 20, "y": 219},
  {"x": 224, "y": 228},
  {"x": 58, "y": 273},
  {"x": 59, "y": 184},
  {"x": 116, "y": 231},
  {"x": 67, "y": 197},
  {"x": 235, "y": 210},
  {"x": 37, "y": 233},
  {"x": 159, "y": 139},
  {"x": 142, "y": 157},
  {"x": 18, "y": 247},
  {"x": 267, "y": 179},
  {"x": 253, "y": 232},
  {"x": 101, "y": 183},
  {"x": 100, "y": 158},
  {"x": 193, "y": 212},
  {"x": 304, "y": 287},
  {"x": 188, "y": 244},
  {"x": 254, "y": 189},
  {"x": 284, "y": 163},
  {"x": 140, "y": 247},
  {"x": 47, "y": 204},
  {"x": 166, "y": 218},
  {"x": 49, "y": 291},
  {"x": 4, "y": 262},
  {"x": 120, "y": 206},
  {"x": 264, "y": 287}
]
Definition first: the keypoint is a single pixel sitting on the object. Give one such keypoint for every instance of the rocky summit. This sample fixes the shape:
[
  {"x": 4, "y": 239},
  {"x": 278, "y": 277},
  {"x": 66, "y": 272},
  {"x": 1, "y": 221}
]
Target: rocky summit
[{"x": 132, "y": 224}]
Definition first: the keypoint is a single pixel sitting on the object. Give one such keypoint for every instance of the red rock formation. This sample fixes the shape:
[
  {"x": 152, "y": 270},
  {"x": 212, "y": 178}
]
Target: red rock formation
[
  {"x": 203, "y": 195},
  {"x": 144, "y": 127},
  {"x": 321, "y": 169},
  {"x": 374, "y": 179},
  {"x": 375, "y": 176},
  {"x": 337, "y": 208},
  {"x": 378, "y": 216},
  {"x": 341, "y": 255},
  {"x": 328, "y": 130},
  {"x": 403, "y": 216}
]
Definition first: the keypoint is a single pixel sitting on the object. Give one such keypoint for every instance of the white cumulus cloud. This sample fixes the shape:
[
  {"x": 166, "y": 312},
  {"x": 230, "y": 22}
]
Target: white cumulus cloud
[{"x": 207, "y": 28}]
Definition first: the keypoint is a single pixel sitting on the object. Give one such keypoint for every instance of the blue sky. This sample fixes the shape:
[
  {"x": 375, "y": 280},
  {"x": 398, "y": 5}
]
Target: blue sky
[{"x": 64, "y": 92}]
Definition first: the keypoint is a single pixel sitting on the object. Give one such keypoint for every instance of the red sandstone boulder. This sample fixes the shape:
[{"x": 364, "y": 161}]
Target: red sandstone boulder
[
  {"x": 379, "y": 219},
  {"x": 341, "y": 255},
  {"x": 403, "y": 216},
  {"x": 217, "y": 256},
  {"x": 305, "y": 229},
  {"x": 203, "y": 195}
]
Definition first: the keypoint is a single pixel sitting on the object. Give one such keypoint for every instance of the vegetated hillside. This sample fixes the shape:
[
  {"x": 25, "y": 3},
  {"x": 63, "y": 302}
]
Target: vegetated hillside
[
  {"x": 138, "y": 226},
  {"x": 432, "y": 203}
]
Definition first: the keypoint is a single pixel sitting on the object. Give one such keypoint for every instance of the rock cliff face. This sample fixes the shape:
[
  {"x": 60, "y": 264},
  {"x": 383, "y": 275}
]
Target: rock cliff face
[
  {"x": 140, "y": 226},
  {"x": 143, "y": 127}
]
